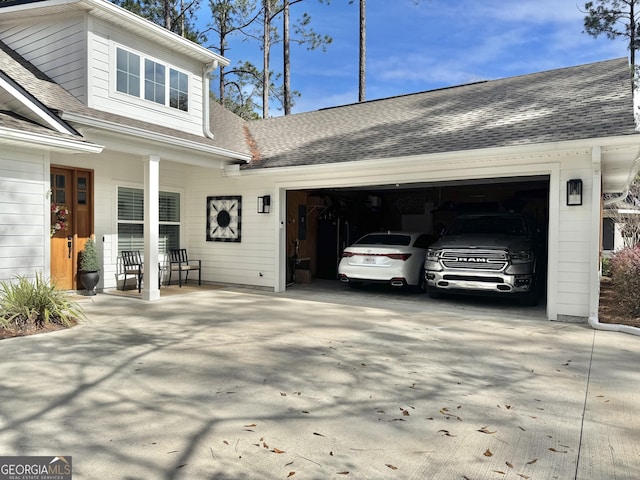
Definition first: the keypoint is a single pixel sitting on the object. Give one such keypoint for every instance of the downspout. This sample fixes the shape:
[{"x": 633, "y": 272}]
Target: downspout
[
  {"x": 210, "y": 67},
  {"x": 595, "y": 276}
]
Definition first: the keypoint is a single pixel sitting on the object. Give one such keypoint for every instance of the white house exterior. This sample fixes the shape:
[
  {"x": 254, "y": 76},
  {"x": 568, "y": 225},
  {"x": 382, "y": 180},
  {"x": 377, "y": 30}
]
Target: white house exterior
[{"x": 69, "y": 106}]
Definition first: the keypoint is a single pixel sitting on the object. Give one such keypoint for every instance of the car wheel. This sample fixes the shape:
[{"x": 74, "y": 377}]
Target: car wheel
[{"x": 422, "y": 283}]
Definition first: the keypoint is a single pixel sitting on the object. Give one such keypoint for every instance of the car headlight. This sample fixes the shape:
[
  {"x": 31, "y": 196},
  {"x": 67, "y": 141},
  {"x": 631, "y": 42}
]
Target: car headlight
[{"x": 523, "y": 256}]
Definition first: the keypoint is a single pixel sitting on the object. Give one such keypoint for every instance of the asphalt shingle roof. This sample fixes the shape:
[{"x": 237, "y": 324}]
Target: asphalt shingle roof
[{"x": 587, "y": 101}]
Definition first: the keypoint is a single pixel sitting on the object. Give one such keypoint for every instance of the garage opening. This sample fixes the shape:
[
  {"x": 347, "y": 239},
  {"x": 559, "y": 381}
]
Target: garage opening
[{"x": 321, "y": 223}]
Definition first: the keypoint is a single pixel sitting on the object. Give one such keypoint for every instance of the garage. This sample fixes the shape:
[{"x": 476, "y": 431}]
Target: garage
[{"x": 322, "y": 222}]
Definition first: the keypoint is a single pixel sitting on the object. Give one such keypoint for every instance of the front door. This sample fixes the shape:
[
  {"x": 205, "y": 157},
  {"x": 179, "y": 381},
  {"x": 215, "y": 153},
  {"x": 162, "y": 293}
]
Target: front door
[{"x": 71, "y": 222}]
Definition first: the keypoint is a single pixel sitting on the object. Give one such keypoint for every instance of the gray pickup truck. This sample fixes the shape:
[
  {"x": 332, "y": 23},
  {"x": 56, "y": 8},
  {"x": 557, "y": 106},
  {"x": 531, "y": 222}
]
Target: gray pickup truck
[{"x": 496, "y": 253}]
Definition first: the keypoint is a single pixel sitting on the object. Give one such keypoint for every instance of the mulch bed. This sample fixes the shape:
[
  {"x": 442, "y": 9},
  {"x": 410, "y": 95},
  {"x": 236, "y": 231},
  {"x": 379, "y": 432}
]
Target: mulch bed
[
  {"x": 31, "y": 329},
  {"x": 609, "y": 312}
]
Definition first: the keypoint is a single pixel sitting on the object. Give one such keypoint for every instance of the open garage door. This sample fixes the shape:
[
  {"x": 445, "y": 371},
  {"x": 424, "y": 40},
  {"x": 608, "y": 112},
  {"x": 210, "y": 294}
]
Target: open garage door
[{"x": 322, "y": 222}]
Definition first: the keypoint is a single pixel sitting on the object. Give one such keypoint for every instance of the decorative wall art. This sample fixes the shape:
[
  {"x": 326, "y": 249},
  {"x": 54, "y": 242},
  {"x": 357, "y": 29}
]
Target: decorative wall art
[{"x": 223, "y": 218}]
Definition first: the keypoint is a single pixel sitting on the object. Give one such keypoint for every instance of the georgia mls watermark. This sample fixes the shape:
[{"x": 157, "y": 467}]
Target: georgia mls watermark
[{"x": 35, "y": 468}]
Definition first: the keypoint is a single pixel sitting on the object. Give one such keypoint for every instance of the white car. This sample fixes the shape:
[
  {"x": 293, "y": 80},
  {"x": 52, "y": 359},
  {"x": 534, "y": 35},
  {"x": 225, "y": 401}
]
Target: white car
[{"x": 394, "y": 258}]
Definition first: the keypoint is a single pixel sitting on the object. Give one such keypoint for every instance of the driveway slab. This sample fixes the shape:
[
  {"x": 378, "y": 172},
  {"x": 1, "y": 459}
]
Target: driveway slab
[{"x": 243, "y": 384}]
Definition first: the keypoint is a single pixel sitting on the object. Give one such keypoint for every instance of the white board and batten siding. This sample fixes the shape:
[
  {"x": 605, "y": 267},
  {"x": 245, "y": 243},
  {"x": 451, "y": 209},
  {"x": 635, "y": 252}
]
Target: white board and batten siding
[
  {"x": 104, "y": 39},
  {"x": 24, "y": 214},
  {"x": 56, "y": 44}
]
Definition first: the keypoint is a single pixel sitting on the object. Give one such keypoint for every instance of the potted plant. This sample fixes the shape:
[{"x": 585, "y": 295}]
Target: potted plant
[{"x": 89, "y": 268}]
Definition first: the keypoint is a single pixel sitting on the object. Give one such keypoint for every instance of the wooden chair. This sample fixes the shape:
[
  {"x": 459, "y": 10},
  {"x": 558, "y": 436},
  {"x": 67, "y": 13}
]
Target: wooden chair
[
  {"x": 132, "y": 265},
  {"x": 179, "y": 262}
]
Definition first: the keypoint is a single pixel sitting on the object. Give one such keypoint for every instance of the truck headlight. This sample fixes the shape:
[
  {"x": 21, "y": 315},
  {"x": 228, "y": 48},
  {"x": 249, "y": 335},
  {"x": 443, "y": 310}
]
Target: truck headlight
[
  {"x": 523, "y": 256},
  {"x": 433, "y": 255}
]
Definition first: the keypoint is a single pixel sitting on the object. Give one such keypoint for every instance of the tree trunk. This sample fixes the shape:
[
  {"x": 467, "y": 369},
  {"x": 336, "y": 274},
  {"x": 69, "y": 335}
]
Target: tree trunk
[
  {"x": 167, "y": 14},
  {"x": 287, "y": 60},
  {"x": 362, "y": 86},
  {"x": 265, "y": 58}
]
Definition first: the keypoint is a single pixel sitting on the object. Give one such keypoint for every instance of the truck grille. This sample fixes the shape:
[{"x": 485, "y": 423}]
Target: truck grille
[{"x": 491, "y": 260}]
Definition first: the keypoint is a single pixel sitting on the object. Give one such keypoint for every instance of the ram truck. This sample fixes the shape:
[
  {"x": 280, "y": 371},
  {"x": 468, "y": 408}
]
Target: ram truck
[{"x": 496, "y": 253}]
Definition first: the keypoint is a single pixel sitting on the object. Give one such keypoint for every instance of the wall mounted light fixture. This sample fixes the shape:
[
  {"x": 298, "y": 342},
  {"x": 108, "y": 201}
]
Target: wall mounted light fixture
[
  {"x": 574, "y": 192},
  {"x": 264, "y": 204}
]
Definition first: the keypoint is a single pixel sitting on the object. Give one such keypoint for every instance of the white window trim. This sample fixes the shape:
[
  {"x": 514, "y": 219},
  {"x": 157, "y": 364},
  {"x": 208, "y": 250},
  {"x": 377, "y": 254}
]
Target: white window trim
[{"x": 141, "y": 101}]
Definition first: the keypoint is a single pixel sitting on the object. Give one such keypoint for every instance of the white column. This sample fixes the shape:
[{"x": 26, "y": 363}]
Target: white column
[{"x": 151, "y": 289}]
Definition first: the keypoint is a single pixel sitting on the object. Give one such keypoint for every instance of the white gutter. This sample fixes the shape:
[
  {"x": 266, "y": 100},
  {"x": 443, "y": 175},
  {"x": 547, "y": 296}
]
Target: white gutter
[
  {"x": 12, "y": 135},
  {"x": 632, "y": 176},
  {"x": 153, "y": 137},
  {"x": 210, "y": 67}
]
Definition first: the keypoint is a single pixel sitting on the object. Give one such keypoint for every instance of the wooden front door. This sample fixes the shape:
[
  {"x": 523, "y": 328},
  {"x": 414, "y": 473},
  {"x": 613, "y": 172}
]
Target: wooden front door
[{"x": 71, "y": 222}]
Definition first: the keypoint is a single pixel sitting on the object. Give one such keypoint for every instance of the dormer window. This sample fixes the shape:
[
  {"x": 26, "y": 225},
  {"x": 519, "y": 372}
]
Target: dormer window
[{"x": 172, "y": 92}]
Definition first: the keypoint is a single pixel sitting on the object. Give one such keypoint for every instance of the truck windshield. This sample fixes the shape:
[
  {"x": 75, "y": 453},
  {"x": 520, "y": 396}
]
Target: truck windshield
[{"x": 488, "y": 225}]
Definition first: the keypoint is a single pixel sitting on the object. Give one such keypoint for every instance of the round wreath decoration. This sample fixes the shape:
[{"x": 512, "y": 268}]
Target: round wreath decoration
[{"x": 59, "y": 222}]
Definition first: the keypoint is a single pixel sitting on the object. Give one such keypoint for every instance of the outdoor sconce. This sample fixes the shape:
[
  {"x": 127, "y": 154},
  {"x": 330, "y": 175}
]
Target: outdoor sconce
[
  {"x": 574, "y": 192},
  {"x": 264, "y": 204}
]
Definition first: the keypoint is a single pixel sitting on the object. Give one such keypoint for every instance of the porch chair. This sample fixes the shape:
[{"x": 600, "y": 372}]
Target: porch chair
[
  {"x": 132, "y": 265},
  {"x": 179, "y": 262}
]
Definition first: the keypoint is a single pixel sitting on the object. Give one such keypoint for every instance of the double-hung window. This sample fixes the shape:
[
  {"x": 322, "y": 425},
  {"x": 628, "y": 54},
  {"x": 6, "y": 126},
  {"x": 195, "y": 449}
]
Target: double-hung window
[
  {"x": 131, "y": 220},
  {"x": 151, "y": 80}
]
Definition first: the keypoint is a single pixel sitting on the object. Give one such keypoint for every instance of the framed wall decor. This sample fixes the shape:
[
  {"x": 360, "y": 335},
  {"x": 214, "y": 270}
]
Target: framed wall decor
[{"x": 224, "y": 218}]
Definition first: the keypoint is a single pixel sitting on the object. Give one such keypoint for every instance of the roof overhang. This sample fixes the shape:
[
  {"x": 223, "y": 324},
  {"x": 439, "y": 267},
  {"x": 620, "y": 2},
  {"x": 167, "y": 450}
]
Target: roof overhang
[
  {"x": 146, "y": 142},
  {"x": 13, "y": 137},
  {"x": 114, "y": 14}
]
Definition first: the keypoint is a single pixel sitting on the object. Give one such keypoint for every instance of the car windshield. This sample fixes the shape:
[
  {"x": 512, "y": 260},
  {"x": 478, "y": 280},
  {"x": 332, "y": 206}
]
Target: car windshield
[
  {"x": 502, "y": 225},
  {"x": 385, "y": 239}
]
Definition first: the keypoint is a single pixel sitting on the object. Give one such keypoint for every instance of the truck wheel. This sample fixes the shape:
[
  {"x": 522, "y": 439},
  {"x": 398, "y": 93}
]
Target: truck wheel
[{"x": 433, "y": 292}]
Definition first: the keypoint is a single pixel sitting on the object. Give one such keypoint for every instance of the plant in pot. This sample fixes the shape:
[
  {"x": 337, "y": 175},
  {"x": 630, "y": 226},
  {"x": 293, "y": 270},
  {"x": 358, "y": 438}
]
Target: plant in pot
[{"x": 89, "y": 268}]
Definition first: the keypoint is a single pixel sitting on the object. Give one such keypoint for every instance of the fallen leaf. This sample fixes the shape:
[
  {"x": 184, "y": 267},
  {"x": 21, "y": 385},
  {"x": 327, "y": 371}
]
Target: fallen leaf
[
  {"x": 318, "y": 434},
  {"x": 331, "y": 453},
  {"x": 446, "y": 433},
  {"x": 283, "y": 394},
  {"x": 509, "y": 465},
  {"x": 304, "y": 411},
  {"x": 404, "y": 412},
  {"x": 291, "y": 474},
  {"x": 500, "y": 472},
  {"x": 277, "y": 450},
  {"x": 343, "y": 473},
  {"x": 264, "y": 444},
  {"x": 557, "y": 451},
  {"x": 225, "y": 442},
  {"x": 380, "y": 411},
  {"x": 488, "y": 453},
  {"x": 429, "y": 418},
  {"x": 522, "y": 475},
  {"x": 290, "y": 463},
  {"x": 522, "y": 429},
  {"x": 392, "y": 467},
  {"x": 486, "y": 430},
  {"x": 531, "y": 462},
  {"x": 249, "y": 426}
]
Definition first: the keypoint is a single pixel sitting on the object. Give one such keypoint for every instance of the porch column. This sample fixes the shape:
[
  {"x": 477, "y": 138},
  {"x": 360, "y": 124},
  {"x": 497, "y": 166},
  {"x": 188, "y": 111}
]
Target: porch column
[{"x": 151, "y": 290}]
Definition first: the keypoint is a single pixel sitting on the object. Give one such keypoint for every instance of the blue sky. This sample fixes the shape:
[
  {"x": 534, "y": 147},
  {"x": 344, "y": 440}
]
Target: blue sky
[{"x": 434, "y": 44}]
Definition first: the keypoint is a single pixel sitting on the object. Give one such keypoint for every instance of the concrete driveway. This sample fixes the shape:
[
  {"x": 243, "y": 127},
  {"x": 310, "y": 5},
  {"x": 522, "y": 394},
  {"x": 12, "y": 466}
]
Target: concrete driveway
[{"x": 243, "y": 384}]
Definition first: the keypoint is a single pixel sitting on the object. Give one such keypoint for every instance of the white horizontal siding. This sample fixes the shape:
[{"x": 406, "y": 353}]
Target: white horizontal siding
[
  {"x": 104, "y": 39},
  {"x": 56, "y": 45},
  {"x": 22, "y": 214}
]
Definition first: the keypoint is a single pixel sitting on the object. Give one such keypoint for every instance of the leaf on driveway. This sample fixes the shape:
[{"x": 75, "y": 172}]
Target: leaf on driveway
[
  {"x": 500, "y": 472},
  {"x": 522, "y": 475},
  {"x": 277, "y": 450},
  {"x": 404, "y": 412},
  {"x": 486, "y": 430},
  {"x": 446, "y": 433},
  {"x": 346, "y": 472},
  {"x": 392, "y": 467},
  {"x": 318, "y": 434},
  {"x": 509, "y": 465},
  {"x": 557, "y": 451},
  {"x": 291, "y": 474},
  {"x": 283, "y": 394},
  {"x": 488, "y": 453},
  {"x": 249, "y": 426},
  {"x": 531, "y": 462}
]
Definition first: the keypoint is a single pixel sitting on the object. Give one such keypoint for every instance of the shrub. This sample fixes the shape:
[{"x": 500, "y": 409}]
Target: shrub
[
  {"x": 606, "y": 266},
  {"x": 89, "y": 257},
  {"x": 25, "y": 302},
  {"x": 625, "y": 278}
]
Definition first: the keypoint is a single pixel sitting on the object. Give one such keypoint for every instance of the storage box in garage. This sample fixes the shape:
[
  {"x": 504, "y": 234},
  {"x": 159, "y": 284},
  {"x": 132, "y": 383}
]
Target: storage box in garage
[{"x": 303, "y": 276}]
